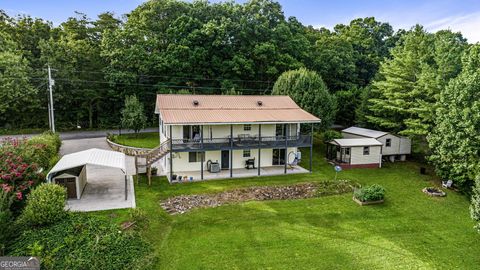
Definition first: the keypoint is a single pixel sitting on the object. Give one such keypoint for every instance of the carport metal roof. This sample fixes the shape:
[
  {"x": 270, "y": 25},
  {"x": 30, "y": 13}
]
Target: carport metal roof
[{"x": 92, "y": 156}]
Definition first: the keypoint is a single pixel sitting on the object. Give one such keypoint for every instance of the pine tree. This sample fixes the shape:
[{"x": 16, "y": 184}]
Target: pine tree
[
  {"x": 396, "y": 89},
  {"x": 407, "y": 90}
]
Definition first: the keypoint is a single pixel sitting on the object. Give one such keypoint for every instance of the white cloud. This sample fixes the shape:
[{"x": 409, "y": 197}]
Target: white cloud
[{"x": 468, "y": 24}]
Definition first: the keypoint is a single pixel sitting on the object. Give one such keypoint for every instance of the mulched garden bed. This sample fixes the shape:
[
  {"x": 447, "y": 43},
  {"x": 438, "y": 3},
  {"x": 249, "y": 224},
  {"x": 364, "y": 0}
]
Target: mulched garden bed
[{"x": 185, "y": 203}]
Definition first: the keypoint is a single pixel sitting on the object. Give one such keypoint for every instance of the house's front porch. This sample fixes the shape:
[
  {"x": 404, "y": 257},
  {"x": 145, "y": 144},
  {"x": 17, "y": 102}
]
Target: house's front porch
[{"x": 188, "y": 176}]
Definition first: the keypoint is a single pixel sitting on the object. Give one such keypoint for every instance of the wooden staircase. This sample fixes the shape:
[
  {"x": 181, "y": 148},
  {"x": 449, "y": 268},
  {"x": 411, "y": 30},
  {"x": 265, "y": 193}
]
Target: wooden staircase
[{"x": 146, "y": 160}]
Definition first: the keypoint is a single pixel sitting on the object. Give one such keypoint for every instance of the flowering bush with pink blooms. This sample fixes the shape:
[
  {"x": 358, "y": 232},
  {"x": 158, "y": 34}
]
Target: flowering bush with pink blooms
[{"x": 23, "y": 163}]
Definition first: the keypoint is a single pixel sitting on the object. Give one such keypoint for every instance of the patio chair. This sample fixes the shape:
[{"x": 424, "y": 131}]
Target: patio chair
[{"x": 447, "y": 184}]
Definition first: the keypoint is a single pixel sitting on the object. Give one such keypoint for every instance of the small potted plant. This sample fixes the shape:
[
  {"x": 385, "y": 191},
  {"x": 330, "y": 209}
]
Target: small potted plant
[{"x": 373, "y": 194}]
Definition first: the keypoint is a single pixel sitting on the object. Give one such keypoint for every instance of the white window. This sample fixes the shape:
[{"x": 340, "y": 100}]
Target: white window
[
  {"x": 246, "y": 153},
  {"x": 388, "y": 143},
  {"x": 366, "y": 150},
  {"x": 195, "y": 156},
  {"x": 247, "y": 127}
]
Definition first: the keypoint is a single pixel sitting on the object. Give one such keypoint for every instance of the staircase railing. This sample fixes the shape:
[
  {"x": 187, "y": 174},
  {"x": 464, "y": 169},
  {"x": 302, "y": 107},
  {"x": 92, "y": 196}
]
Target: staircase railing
[{"x": 155, "y": 154}]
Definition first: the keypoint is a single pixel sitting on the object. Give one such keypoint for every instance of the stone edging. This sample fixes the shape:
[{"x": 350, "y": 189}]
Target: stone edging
[{"x": 128, "y": 150}]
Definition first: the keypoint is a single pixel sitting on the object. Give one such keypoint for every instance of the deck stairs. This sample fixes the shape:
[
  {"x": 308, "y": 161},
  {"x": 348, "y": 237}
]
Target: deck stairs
[{"x": 144, "y": 162}]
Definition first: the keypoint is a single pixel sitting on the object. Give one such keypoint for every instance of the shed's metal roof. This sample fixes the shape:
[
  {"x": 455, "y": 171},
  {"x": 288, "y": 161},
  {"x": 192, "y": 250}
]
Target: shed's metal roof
[
  {"x": 365, "y": 132},
  {"x": 92, "y": 156},
  {"x": 181, "y": 109},
  {"x": 356, "y": 142}
]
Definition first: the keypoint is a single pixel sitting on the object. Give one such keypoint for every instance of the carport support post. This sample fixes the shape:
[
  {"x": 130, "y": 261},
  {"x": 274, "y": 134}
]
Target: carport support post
[
  {"x": 259, "y": 146},
  {"x": 311, "y": 146},
  {"x": 285, "y": 159},
  {"x": 231, "y": 151},
  {"x": 171, "y": 155},
  {"x": 201, "y": 153}
]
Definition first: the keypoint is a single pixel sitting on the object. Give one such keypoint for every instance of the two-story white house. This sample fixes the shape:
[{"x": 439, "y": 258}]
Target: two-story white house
[{"x": 207, "y": 136}]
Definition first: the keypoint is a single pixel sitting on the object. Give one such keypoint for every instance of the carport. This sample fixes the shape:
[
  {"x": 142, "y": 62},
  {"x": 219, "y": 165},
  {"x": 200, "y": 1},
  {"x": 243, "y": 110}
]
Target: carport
[{"x": 95, "y": 179}]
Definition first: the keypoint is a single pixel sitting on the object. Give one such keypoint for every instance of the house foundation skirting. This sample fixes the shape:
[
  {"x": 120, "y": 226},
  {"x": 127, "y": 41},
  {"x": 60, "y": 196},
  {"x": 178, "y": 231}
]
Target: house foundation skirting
[{"x": 359, "y": 166}]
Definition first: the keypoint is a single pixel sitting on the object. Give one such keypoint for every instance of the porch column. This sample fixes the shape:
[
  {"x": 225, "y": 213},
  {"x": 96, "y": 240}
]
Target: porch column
[
  {"x": 285, "y": 159},
  {"x": 231, "y": 151},
  {"x": 259, "y": 146},
  {"x": 126, "y": 185},
  {"x": 311, "y": 146},
  {"x": 201, "y": 153},
  {"x": 171, "y": 156}
]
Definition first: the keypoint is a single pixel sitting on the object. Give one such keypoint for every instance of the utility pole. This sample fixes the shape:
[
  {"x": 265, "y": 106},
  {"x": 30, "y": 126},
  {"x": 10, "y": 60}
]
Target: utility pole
[{"x": 50, "y": 85}]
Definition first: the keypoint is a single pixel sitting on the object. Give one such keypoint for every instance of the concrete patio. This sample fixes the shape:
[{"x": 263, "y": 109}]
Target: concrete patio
[
  {"x": 242, "y": 173},
  {"x": 105, "y": 190}
]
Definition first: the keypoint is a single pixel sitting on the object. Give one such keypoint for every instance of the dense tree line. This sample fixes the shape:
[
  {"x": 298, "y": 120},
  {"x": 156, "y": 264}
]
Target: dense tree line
[{"x": 168, "y": 46}]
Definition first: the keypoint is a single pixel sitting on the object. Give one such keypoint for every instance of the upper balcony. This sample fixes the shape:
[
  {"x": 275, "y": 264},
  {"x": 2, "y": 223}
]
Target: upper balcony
[{"x": 240, "y": 142}]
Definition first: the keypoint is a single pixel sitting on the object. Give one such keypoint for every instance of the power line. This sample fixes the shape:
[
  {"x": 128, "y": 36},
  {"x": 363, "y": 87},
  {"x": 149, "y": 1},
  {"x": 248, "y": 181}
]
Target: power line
[
  {"x": 146, "y": 85},
  {"x": 167, "y": 76}
]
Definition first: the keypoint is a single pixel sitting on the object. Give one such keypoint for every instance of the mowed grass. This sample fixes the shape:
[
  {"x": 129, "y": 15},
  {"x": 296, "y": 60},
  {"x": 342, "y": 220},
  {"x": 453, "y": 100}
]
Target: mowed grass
[
  {"x": 142, "y": 140},
  {"x": 409, "y": 231}
]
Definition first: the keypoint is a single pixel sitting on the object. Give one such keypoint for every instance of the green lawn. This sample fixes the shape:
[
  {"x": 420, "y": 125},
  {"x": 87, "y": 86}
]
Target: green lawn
[
  {"x": 409, "y": 231},
  {"x": 142, "y": 140}
]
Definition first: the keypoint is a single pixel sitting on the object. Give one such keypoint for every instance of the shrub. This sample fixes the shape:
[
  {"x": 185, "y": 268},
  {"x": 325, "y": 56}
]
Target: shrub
[
  {"x": 138, "y": 216},
  {"x": 331, "y": 134},
  {"x": 17, "y": 176},
  {"x": 370, "y": 193},
  {"x": 22, "y": 163},
  {"x": 82, "y": 241},
  {"x": 42, "y": 148},
  {"x": 6, "y": 218},
  {"x": 45, "y": 205}
]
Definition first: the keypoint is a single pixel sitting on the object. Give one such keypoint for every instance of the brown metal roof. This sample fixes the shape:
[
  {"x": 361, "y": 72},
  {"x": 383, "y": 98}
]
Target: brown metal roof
[{"x": 188, "y": 109}]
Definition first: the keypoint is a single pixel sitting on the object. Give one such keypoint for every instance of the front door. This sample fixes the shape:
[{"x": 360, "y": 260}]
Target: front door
[
  {"x": 69, "y": 184},
  {"x": 225, "y": 159}
]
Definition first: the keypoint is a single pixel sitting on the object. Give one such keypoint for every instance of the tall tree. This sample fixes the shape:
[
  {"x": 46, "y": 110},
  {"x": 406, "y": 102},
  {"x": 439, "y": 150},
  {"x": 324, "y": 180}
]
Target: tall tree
[
  {"x": 310, "y": 92},
  {"x": 407, "y": 88},
  {"x": 475, "y": 204},
  {"x": 455, "y": 140},
  {"x": 17, "y": 96},
  {"x": 133, "y": 116}
]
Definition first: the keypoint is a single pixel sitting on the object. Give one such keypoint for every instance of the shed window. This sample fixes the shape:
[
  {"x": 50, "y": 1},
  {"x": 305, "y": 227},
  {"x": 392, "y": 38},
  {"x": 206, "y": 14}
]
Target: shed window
[
  {"x": 366, "y": 150},
  {"x": 195, "y": 156},
  {"x": 246, "y": 153},
  {"x": 347, "y": 151},
  {"x": 388, "y": 143},
  {"x": 247, "y": 127}
]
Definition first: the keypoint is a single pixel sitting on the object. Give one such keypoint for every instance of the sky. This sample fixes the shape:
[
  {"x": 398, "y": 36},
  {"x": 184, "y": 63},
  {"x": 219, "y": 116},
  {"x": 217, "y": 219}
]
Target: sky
[{"x": 457, "y": 15}]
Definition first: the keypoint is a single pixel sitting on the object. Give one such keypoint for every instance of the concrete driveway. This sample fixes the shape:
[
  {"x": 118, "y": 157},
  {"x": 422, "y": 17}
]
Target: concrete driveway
[
  {"x": 105, "y": 190},
  {"x": 105, "y": 187}
]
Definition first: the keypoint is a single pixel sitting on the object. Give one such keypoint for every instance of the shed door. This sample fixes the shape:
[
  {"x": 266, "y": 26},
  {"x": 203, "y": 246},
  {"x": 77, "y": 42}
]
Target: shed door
[{"x": 69, "y": 184}]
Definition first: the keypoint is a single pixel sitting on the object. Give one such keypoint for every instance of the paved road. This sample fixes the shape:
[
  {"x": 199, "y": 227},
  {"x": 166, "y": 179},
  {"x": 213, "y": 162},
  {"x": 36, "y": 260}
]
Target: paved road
[
  {"x": 77, "y": 145},
  {"x": 73, "y": 135}
]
